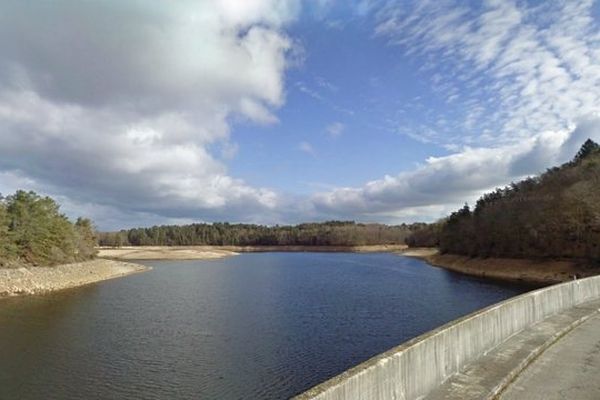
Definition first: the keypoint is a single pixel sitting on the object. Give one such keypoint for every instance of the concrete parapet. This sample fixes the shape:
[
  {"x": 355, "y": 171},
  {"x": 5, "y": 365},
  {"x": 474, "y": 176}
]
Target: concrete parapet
[{"x": 413, "y": 369}]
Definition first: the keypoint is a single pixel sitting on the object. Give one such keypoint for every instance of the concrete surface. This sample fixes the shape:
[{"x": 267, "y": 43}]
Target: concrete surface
[
  {"x": 494, "y": 371},
  {"x": 569, "y": 369},
  {"x": 416, "y": 368}
]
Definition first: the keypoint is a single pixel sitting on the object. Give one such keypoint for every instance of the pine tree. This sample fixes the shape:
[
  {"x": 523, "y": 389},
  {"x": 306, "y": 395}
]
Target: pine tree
[
  {"x": 589, "y": 147},
  {"x": 8, "y": 250}
]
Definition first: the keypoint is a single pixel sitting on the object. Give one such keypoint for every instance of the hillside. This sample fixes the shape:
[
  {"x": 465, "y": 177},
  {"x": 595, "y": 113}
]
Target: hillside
[
  {"x": 554, "y": 215},
  {"x": 332, "y": 233}
]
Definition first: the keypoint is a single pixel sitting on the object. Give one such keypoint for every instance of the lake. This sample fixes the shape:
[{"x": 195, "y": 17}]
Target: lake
[{"x": 254, "y": 326}]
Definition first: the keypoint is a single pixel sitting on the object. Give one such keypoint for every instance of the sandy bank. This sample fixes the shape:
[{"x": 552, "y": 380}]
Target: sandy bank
[
  {"x": 165, "y": 253},
  {"x": 214, "y": 252},
  {"x": 20, "y": 281},
  {"x": 539, "y": 272},
  {"x": 377, "y": 248}
]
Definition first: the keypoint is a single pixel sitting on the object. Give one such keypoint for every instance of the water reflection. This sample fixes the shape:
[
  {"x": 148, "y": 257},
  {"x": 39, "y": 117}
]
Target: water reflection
[{"x": 255, "y": 326}]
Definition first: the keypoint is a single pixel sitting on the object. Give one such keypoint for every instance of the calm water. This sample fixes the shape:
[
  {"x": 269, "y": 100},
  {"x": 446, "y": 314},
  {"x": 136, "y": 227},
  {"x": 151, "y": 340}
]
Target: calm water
[{"x": 256, "y": 326}]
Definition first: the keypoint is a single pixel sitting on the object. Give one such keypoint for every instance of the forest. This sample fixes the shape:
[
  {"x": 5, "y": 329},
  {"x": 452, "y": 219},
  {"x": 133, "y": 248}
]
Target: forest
[
  {"x": 553, "y": 215},
  {"x": 331, "y": 233},
  {"x": 34, "y": 232}
]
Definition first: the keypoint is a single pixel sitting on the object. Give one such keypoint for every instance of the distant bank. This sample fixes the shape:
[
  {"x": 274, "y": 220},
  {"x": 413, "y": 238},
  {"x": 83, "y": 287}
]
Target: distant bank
[
  {"x": 36, "y": 280},
  {"x": 539, "y": 272},
  {"x": 543, "y": 229},
  {"x": 215, "y": 252}
]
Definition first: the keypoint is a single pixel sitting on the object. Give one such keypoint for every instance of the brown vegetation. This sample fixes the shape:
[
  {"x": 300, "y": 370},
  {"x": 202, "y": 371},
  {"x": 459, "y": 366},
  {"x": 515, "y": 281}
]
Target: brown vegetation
[
  {"x": 555, "y": 215},
  {"x": 537, "y": 272}
]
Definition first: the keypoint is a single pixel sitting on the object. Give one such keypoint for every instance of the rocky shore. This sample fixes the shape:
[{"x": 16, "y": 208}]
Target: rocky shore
[{"x": 33, "y": 280}]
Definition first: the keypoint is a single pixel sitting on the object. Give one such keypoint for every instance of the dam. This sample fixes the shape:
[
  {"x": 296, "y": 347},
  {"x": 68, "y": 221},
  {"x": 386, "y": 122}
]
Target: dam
[{"x": 509, "y": 350}]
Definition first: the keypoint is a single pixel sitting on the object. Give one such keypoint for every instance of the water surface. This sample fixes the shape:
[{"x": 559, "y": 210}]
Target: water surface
[{"x": 255, "y": 326}]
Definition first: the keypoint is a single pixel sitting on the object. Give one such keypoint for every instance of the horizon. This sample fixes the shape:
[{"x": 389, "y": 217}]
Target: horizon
[{"x": 281, "y": 112}]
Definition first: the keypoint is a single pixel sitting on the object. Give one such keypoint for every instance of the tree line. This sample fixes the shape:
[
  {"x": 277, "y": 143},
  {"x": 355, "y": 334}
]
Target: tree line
[
  {"x": 556, "y": 214},
  {"x": 33, "y": 231},
  {"x": 331, "y": 233}
]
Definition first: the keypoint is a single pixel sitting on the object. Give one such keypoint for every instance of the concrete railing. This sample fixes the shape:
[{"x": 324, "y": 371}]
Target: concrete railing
[{"x": 413, "y": 369}]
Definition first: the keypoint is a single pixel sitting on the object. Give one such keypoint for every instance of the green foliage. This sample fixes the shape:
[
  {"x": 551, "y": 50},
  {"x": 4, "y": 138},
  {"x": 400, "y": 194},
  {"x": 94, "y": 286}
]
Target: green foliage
[
  {"x": 33, "y": 231},
  {"x": 85, "y": 237},
  {"x": 588, "y": 148},
  {"x": 8, "y": 249},
  {"x": 332, "y": 233},
  {"x": 554, "y": 215}
]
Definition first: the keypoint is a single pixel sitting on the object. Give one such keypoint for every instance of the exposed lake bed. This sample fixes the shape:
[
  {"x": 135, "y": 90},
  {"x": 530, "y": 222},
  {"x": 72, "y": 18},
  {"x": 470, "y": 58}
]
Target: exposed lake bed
[
  {"x": 539, "y": 272},
  {"x": 264, "y": 325},
  {"x": 214, "y": 252},
  {"x": 37, "y": 280}
]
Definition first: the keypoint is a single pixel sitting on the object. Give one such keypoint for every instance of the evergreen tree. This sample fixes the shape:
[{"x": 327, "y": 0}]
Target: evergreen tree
[
  {"x": 8, "y": 250},
  {"x": 554, "y": 215},
  {"x": 589, "y": 147},
  {"x": 331, "y": 233},
  {"x": 41, "y": 234},
  {"x": 35, "y": 232}
]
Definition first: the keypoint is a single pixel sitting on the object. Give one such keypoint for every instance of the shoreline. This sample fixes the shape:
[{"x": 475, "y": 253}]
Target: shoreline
[
  {"x": 39, "y": 280},
  {"x": 536, "y": 272},
  {"x": 217, "y": 252},
  {"x": 528, "y": 271}
]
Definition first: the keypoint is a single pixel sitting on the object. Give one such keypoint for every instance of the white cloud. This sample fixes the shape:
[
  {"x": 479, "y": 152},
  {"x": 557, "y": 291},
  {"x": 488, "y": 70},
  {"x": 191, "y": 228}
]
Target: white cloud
[
  {"x": 335, "y": 129},
  {"x": 324, "y": 83},
  {"x": 444, "y": 183},
  {"x": 119, "y": 103},
  {"x": 522, "y": 86},
  {"x": 309, "y": 92},
  {"x": 117, "y": 107},
  {"x": 364, "y": 7},
  {"x": 510, "y": 69},
  {"x": 307, "y": 148}
]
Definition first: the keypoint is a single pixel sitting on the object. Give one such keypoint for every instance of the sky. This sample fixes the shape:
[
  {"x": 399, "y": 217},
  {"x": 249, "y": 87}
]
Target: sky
[{"x": 136, "y": 113}]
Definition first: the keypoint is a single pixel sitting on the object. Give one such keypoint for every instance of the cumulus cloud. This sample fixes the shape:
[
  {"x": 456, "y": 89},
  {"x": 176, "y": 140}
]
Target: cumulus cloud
[
  {"x": 118, "y": 103},
  {"x": 522, "y": 90},
  {"x": 443, "y": 183},
  {"x": 123, "y": 110}
]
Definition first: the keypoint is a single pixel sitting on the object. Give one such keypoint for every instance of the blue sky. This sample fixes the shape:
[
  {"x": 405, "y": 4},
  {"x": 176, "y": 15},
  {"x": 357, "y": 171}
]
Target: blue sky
[
  {"x": 350, "y": 80},
  {"x": 287, "y": 111}
]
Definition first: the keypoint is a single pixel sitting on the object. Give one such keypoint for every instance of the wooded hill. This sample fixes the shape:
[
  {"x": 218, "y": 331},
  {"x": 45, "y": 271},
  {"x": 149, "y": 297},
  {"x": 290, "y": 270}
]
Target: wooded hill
[
  {"x": 332, "y": 233},
  {"x": 34, "y": 232},
  {"x": 554, "y": 215}
]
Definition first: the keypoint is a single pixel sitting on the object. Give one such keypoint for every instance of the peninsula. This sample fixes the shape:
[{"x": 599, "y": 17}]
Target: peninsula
[
  {"x": 42, "y": 251},
  {"x": 543, "y": 230}
]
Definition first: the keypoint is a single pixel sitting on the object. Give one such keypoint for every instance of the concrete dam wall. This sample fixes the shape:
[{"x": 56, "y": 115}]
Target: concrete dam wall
[{"x": 415, "y": 368}]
